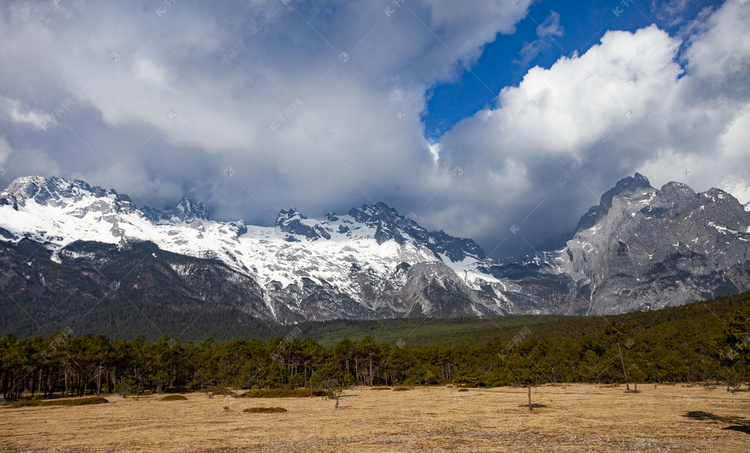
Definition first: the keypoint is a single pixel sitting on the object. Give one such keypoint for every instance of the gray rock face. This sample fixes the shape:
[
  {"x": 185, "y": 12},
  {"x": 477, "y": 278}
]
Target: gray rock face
[
  {"x": 653, "y": 249},
  {"x": 291, "y": 222},
  {"x": 635, "y": 184},
  {"x": 390, "y": 225},
  {"x": 639, "y": 249}
]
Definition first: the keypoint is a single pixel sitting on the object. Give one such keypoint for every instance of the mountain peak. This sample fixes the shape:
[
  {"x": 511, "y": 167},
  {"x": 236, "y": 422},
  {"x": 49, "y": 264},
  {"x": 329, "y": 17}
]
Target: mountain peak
[
  {"x": 287, "y": 216},
  {"x": 292, "y": 222},
  {"x": 186, "y": 210},
  {"x": 56, "y": 191},
  {"x": 390, "y": 224},
  {"x": 374, "y": 213},
  {"x": 629, "y": 184}
]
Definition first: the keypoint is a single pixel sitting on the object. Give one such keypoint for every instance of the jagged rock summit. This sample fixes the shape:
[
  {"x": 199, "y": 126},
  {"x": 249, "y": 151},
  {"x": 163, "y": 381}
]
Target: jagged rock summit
[
  {"x": 636, "y": 183},
  {"x": 185, "y": 211}
]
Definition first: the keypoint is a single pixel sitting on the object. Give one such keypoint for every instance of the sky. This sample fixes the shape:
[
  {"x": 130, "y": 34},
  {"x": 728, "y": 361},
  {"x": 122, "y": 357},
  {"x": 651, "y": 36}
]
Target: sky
[{"x": 502, "y": 121}]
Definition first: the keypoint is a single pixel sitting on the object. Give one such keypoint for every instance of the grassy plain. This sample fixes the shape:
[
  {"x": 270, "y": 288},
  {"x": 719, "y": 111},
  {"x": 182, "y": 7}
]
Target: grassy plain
[{"x": 575, "y": 418}]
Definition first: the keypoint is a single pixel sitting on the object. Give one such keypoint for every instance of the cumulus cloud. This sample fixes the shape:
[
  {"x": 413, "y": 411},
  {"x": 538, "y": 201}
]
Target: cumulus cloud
[
  {"x": 19, "y": 113},
  {"x": 272, "y": 100},
  {"x": 565, "y": 134}
]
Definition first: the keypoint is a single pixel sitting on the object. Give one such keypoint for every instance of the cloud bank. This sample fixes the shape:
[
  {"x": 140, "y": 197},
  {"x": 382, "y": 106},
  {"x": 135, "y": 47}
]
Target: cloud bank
[{"x": 273, "y": 104}]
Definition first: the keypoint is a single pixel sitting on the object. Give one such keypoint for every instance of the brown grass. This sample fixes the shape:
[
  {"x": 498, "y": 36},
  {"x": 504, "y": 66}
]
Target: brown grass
[
  {"x": 576, "y": 418},
  {"x": 174, "y": 398}
]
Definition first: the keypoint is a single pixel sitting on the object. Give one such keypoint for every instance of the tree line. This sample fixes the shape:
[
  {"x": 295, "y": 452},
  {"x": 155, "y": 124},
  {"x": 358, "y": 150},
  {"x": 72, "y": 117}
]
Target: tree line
[{"x": 680, "y": 350}]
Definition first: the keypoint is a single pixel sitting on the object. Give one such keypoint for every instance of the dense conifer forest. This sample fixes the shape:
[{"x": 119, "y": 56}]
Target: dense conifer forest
[{"x": 705, "y": 342}]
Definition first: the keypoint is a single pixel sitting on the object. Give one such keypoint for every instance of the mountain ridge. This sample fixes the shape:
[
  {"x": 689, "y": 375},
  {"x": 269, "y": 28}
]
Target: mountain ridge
[{"x": 373, "y": 263}]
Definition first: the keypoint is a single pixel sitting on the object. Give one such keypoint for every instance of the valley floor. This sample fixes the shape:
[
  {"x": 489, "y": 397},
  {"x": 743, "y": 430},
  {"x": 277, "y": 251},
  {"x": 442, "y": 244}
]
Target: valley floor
[{"x": 575, "y": 418}]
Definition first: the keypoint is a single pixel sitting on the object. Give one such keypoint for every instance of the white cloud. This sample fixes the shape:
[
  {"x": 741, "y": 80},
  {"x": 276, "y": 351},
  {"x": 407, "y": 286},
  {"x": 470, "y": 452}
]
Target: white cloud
[
  {"x": 5, "y": 150},
  {"x": 623, "y": 106},
  {"x": 151, "y": 73},
  {"x": 720, "y": 52},
  {"x": 546, "y": 33},
  {"x": 318, "y": 105},
  {"x": 22, "y": 114}
]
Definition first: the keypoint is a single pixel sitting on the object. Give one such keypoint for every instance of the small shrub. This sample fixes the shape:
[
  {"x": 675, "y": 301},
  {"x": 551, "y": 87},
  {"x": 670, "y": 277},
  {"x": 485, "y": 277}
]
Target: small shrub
[
  {"x": 22, "y": 403},
  {"x": 380, "y": 388},
  {"x": 402, "y": 389},
  {"x": 215, "y": 391},
  {"x": 177, "y": 390},
  {"x": 463, "y": 390},
  {"x": 77, "y": 402},
  {"x": 277, "y": 393},
  {"x": 265, "y": 410},
  {"x": 126, "y": 387},
  {"x": 174, "y": 398},
  {"x": 72, "y": 402}
]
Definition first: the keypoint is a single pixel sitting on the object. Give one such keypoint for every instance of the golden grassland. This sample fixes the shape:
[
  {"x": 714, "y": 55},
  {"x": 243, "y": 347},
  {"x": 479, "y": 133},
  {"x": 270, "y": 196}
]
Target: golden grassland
[{"x": 575, "y": 418}]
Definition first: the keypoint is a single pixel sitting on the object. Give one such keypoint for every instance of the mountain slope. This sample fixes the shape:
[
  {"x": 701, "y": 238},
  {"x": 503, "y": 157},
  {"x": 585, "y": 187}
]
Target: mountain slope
[
  {"x": 639, "y": 249},
  {"x": 658, "y": 248}
]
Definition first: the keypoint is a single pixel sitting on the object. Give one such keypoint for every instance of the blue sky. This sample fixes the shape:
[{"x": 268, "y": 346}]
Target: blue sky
[
  {"x": 477, "y": 118},
  {"x": 581, "y": 25}
]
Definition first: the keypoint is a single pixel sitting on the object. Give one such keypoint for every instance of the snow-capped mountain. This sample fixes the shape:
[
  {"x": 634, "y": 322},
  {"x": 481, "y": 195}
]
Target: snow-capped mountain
[
  {"x": 368, "y": 263},
  {"x": 69, "y": 249}
]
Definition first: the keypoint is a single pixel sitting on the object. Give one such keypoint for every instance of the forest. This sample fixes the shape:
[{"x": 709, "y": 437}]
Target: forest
[{"x": 706, "y": 342}]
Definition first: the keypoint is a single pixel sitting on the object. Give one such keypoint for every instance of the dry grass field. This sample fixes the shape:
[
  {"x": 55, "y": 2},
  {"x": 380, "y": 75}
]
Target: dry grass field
[{"x": 576, "y": 418}]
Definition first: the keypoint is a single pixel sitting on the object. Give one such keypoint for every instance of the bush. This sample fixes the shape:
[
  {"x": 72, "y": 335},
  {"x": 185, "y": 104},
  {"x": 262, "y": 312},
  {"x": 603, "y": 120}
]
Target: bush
[
  {"x": 174, "y": 398},
  {"x": 463, "y": 390},
  {"x": 181, "y": 389},
  {"x": 265, "y": 410},
  {"x": 277, "y": 393},
  {"x": 402, "y": 389},
  {"x": 71, "y": 402},
  {"x": 380, "y": 388},
  {"x": 215, "y": 391}
]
